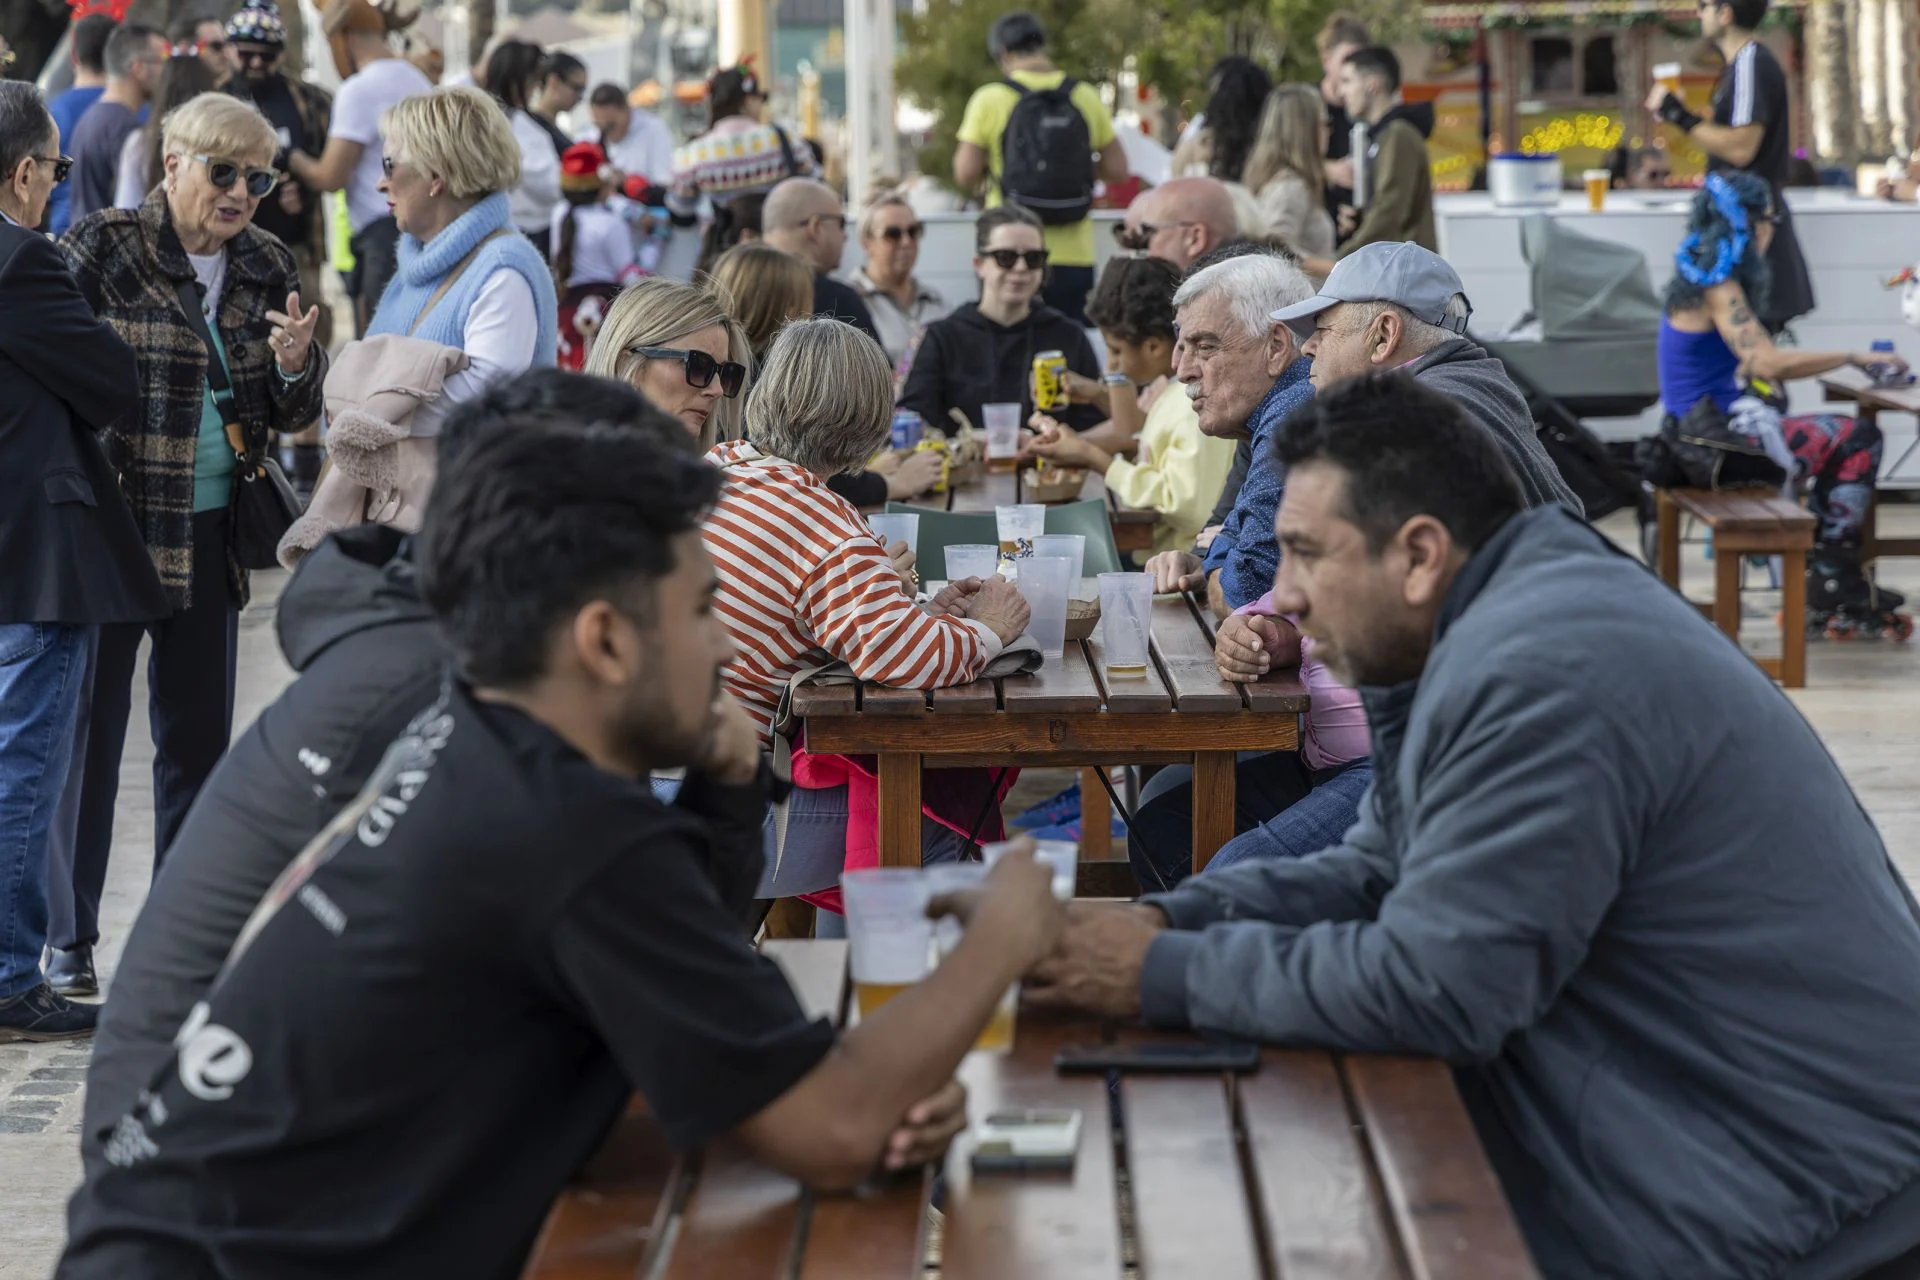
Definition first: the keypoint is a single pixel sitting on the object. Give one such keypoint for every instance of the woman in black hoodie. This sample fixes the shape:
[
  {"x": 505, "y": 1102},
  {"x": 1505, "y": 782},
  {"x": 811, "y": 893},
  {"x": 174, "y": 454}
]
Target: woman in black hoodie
[{"x": 983, "y": 353}]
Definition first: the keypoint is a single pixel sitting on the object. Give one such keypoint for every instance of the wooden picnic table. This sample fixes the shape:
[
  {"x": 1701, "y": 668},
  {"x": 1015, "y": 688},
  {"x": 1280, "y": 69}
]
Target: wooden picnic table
[
  {"x": 1068, "y": 714},
  {"x": 983, "y": 490},
  {"x": 1869, "y": 402},
  {"x": 1318, "y": 1166}
]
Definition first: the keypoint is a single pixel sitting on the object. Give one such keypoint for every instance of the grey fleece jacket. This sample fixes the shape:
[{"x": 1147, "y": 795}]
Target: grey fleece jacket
[
  {"x": 1607, "y": 870},
  {"x": 1462, "y": 369}
]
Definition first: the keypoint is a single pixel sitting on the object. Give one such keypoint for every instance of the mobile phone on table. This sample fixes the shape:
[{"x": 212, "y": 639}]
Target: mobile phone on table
[
  {"x": 1173, "y": 1056},
  {"x": 1027, "y": 1142}
]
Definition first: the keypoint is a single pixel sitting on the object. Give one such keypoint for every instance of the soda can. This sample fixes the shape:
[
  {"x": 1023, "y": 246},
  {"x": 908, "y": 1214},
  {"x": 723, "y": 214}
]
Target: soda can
[
  {"x": 908, "y": 428},
  {"x": 1050, "y": 381},
  {"x": 939, "y": 446}
]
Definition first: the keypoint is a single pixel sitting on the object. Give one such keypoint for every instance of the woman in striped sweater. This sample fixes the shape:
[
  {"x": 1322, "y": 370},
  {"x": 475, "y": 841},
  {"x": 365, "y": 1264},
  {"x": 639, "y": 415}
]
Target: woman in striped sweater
[{"x": 803, "y": 581}]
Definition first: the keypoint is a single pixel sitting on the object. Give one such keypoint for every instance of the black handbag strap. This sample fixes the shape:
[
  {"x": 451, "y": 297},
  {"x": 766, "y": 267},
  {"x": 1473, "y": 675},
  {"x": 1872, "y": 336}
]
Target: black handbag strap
[{"x": 217, "y": 380}]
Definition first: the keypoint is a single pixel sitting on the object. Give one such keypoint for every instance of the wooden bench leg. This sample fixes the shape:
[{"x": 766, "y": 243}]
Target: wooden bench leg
[
  {"x": 1793, "y": 619},
  {"x": 899, "y": 778},
  {"x": 1096, "y": 818},
  {"x": 1213, "y": 786},
  {"x": 1726, "y": 593},
  {"x": 1667, "y": 530}
]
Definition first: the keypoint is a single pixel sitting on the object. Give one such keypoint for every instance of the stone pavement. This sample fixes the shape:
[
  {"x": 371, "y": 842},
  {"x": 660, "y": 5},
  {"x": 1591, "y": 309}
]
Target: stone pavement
[{"x": 1863, "y": 697}]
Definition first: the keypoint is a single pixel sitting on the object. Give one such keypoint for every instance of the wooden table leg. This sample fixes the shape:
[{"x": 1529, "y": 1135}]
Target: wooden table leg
[
  {"x": 1793, "y": 618},
  {"x": 1212, "y": 804},
  {"x": 1726, "y": 593},
  {"x": 899, "y": 808},
  {"x": 1667, "y": 552},
  {"x": 1096, "y": 818}
]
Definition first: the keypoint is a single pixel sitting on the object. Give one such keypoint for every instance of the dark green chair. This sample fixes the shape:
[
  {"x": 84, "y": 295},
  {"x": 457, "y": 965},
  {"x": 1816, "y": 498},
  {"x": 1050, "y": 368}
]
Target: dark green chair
[
  {"x": 1091, "y": 520},
  {"x": 941, "y": 529}
]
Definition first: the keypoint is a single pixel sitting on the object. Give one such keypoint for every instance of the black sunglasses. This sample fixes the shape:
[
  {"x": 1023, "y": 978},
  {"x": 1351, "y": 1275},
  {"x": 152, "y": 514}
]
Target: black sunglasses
[
  {"x": 249, "y": 56},
  {"x": 1035, "y": 259},
  {"x": 701, "y": 368},
  {"x": 224, "y": 173},
  {"x": 62, "y": 166},
  {"x": 913, "y": 232},
  {"x": 1138, "y": 238}
]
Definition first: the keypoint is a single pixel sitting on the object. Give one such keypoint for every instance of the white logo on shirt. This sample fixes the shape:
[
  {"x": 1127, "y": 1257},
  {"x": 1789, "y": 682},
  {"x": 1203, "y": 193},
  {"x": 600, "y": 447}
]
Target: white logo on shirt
[
  {"x": 212, "y": 1058},
  {"x": 315, "y": 763}
]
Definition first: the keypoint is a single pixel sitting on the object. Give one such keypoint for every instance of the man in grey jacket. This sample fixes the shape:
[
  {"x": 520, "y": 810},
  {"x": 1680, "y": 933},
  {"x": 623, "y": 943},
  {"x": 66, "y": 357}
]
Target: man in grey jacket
[
  {"x": 1395, "y": 305},
  {"x": 1605, "y": 869}
]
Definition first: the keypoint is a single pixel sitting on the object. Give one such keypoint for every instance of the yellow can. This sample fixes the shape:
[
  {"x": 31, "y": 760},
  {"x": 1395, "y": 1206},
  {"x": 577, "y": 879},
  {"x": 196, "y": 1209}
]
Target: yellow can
[
  {"x": 946, "y": 460},
  {"x": 1050, "y": 381}
]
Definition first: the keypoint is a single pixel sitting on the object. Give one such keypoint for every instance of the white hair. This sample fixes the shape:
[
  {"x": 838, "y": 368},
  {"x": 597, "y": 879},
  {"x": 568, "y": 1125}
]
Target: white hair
[
  {"x": 1421, "y": 336},
  {"x": 1255, "y": 286}
]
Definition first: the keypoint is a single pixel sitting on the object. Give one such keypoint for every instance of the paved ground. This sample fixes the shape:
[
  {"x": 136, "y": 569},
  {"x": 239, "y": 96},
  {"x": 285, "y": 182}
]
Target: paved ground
[{"x": 1864, "y": 698}]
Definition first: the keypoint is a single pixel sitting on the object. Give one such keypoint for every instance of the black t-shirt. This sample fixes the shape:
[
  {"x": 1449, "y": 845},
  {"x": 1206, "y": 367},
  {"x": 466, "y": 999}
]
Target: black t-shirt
[
  {"x": 833, "y": 298},
  {"x": 276, "y": 103},
  {"x": 464, "y": 977},
  {"x": 1339, "y": 147},
  {"x": 1753, "y": 90}
]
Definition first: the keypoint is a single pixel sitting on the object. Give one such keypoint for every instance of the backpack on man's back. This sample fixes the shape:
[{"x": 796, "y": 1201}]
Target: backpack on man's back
[{"x": 1046, "y": 155}]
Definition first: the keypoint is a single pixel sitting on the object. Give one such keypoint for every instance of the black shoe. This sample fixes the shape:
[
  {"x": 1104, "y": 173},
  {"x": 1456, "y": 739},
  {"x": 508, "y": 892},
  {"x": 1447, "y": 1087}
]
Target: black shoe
[
  {"x": 39, "y": 1014},
  {"x": 70, "y": 973}
]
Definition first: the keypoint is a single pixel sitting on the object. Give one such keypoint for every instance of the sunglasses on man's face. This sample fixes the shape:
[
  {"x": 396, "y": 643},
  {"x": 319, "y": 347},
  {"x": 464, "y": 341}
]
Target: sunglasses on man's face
[
  {"x": 248, "y": 57},
  {"x": 1137, "y": 238},
  {"x": 701, "y": 368},
  {"x": 1005, "y": 259},
  {"x": 897, "y": 234},
  {"x": 224, "y": 173},
  {"x": 62, "y": 166}
]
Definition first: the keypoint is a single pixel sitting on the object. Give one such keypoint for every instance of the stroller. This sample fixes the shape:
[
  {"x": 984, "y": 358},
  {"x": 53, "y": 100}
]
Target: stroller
[{"x": 1597, "y": 321}]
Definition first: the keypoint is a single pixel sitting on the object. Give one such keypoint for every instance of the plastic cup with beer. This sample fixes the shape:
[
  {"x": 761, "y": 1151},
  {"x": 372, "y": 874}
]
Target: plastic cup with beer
[
  {"x": 1068, "y": 546},
  {"x": 900, "y": 527},
  {"x": 1045, "y": 583},
  {"x": 1597, "y": 180},
  {"x": 888, "y": 933},
  {"x": 1019, "y": 524},
  {"x": 971, "y": 560},
  {"x": 1003, "y": 435},
  {"x": 1062, "y": 857},
  {"x": 1667, "y": 76},
  {"x": 957, "y": 877},
  {"x": 1126, "y": 619}
]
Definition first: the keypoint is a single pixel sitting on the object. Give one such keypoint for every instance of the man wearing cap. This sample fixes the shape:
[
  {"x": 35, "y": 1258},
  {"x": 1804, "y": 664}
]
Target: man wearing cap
[
  {"x": 374, "y": 77},
  {"x": 1399, "y": 306}
]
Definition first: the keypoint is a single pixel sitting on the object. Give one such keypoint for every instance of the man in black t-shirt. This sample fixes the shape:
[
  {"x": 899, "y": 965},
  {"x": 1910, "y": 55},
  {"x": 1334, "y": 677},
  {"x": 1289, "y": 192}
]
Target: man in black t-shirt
[
  {"x": 1341, "y": 35},
  {"x": 1750, "y": 130},
  {"x": 440, "y": 1006}
]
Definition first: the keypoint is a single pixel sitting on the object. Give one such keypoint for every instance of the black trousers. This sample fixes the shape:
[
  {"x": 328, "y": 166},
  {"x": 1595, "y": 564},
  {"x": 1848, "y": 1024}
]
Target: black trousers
[
  {"x": 1066, "y": 291},
  {"x": 190, "y": 676},
  {"x": 376, "y": 256}
]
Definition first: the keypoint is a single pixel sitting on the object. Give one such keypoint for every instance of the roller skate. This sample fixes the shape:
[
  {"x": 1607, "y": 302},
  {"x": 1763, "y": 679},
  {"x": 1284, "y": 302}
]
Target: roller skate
[{"x": 1844, "y": 604}]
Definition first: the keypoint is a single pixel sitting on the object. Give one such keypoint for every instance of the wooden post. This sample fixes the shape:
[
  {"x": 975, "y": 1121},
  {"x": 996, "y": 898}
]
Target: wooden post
[
  {"x": 1726, "y": 592},
  {"x": 1213, "y": 785},
  {"x": 900, "y": 809},
  {"x": 1096, "y": 820},
  {"x": 1793, "y": 617}
]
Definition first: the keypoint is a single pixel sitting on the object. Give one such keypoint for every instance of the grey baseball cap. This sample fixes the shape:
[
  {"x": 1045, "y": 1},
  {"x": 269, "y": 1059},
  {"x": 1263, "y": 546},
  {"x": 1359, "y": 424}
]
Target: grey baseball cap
[{"x": 1398, "y": 271}]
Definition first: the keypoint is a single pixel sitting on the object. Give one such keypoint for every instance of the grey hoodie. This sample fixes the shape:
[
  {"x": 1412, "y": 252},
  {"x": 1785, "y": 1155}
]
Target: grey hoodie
[
  {"x": 1462, "y": 369},
  {"x": 1608, "y": 871}
]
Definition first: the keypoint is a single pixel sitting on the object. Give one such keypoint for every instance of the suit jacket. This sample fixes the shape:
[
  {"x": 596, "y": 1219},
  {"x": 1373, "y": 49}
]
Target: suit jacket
[{"x": 68, "y": 541}]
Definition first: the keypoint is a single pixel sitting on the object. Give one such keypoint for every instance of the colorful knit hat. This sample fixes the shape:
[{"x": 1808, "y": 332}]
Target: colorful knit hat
[
  {"x": 580, "y": 167},
  {"x": 258, "y": 22}
]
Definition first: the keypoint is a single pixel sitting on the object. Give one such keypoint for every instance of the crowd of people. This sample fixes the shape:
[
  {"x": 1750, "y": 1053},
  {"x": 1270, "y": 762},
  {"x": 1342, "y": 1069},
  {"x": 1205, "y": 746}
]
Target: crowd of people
[{"x": 583, "y": 525}]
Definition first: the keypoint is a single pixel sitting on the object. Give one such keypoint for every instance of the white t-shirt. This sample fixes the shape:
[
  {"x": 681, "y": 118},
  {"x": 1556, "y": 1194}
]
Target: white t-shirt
[
  {"x": 602, "y": 243},
  {"x": 647, "y": 149},
  {"x": 530, "y": 204},
  {"x": 130, "y": 184},
  {"x": 499, "y": 342},
  {"x": 357, "y": 109}
]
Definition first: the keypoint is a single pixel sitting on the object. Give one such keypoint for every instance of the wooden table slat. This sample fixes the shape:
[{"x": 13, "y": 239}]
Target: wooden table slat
[
  {"x": 1035, "y": 1228},
  {"x": 1146, "y": 694},
  {"x": 1445, "y": 1201},
  {"x": 742, "y": 1221},
  {"x": 826, "y": 700},
  {"x": 1185, "y": 656},
  {"x": 878, "y": 1234},
  {"x": 1316, "y": 1182},
  {"x": 879, "y": 700},
  {"x": 1191, "y": 1215},
  {"x": 978, "y": 697},
  {"x": 602, "y": 1227},
  {"x": 1065, "y": 684},
  {"x": 1279, "y": 692}
]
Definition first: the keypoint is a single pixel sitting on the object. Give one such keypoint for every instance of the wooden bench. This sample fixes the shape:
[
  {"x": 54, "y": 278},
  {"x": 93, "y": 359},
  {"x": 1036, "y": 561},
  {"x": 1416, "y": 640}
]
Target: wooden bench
[
  {"x": 1746, "y": 522},
  {"x": 1869, "y": 403}
]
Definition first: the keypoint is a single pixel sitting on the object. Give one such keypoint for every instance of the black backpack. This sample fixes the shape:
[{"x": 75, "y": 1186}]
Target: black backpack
[{"x": 1046, "y": 155}]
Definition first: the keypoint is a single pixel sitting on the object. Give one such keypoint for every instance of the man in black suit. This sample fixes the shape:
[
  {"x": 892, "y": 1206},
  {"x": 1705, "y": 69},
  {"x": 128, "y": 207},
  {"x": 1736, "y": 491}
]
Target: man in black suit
[{"x": 73, "y": 556}]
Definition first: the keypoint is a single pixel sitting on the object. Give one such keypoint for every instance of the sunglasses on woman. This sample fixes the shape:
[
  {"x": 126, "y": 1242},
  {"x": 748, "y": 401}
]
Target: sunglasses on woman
[
  {"x": 897, "y": 234},
  {"x": 224, "y": 173},
  {"x": 1035, "y": 259},
  {"x": 701, "y": 368}
]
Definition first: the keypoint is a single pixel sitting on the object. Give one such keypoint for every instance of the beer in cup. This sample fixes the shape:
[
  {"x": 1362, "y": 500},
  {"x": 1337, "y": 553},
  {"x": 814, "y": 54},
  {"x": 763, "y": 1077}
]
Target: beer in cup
[
  {"x": 888, "y": 932},
  {"x": 957, "y": 877},
  {"x": 1667, "y": 76},
  {"x": 1597, "y": 180}
]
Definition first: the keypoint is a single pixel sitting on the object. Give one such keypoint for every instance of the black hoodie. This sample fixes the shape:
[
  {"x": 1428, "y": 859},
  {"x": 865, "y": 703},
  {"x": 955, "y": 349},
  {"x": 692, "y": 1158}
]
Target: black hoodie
[
  {"x": 1399, "y": 181},
  {"x": 966, "y": 360},
  {"x": 352, "y": 623}
]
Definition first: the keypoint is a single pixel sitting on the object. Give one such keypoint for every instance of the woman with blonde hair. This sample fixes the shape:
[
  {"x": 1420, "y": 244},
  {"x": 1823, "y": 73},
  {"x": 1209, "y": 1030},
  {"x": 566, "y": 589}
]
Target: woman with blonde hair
[
  {"x": 211, "y": 306},
  {"x": 679, "y": 346},
  {"x": 764, "y": 288},
  {"x": 900, "y": 304},
  {"x": 1286, "y": 172}
]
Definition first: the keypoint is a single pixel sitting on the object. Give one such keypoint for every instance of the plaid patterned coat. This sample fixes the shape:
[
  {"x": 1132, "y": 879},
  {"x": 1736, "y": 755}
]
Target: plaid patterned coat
[{"x": 128, "y": 263}]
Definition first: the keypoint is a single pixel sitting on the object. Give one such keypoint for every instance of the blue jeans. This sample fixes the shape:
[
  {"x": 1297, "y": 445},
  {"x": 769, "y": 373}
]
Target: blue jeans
[
  {"x": 41, "y": 669},
  {"x": 1316, "y": 821}
]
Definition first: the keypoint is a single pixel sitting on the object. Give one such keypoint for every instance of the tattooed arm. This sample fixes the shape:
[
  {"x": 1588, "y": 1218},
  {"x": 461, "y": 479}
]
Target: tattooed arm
[{"x": 1759, "y": 357}]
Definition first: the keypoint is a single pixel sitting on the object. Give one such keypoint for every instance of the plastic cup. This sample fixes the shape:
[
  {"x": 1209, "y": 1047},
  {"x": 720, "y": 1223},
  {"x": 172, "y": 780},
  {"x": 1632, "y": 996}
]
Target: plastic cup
[
  {"x": 1667, "y": 75},
  {"x": 1003, "y": 435},
  {"x": 1063, "y": 856},
  {"x": 1068, "y": 546},
  {"x": 1126, "y": 619},
  {"x": 888, "y": 933},
  {"x": 904, "y": 527},
  {"x": 1019, "y": 526},
  {"x": 1597, "y": 180},
  {"x": 972, "y": 560},
  {"x": 1043, "y": 582}
]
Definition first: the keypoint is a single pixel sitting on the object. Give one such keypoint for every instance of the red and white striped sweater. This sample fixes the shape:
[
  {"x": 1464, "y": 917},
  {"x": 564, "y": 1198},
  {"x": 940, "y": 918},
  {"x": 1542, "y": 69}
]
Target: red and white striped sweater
[{"x": 803, "y": 580}]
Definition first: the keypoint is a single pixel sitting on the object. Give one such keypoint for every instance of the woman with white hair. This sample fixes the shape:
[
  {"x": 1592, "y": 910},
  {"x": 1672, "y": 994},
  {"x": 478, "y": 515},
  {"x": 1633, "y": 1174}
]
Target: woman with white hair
[
  {"x": 804, "y": 581},
  {"x": 189, "y": 245},
  {"x": 677, "y": 345}
]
